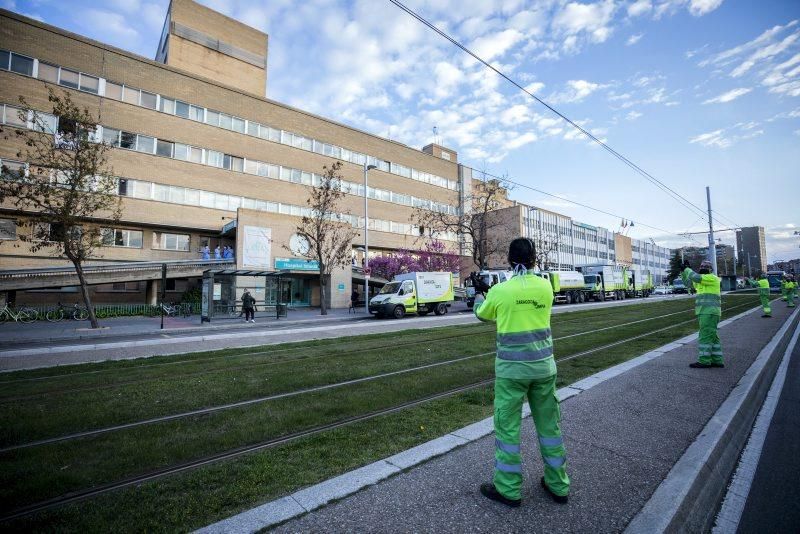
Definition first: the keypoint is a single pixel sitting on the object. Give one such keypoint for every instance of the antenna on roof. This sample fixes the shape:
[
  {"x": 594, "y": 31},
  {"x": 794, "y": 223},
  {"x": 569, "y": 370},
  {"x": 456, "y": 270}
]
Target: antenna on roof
[{"x": 436, "y": 139}]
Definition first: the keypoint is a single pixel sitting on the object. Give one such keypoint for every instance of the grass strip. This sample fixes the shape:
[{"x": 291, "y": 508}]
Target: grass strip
[
  {"x": 194, "y": 499},
  {"x": 54, "y": 469}
]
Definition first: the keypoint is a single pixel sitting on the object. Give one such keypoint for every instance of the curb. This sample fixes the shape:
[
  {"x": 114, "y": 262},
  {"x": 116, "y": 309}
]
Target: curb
[
  {"x": 687, "y": 499},
  {"x": 308, "y": 499}
]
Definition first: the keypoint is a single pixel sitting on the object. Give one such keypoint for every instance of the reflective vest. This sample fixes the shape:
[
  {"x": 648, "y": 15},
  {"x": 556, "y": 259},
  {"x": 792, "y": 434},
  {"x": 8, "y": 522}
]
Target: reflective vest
[
  {"x": 763, "y": 286},
  {"x": 708, "y": 300},
  {"x": 521, "y": 308}
]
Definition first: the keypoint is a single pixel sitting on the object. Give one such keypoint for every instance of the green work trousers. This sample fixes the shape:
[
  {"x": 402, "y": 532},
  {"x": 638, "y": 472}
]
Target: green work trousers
[
  {"x": 764, "y": 296},
  {"x": 790, "y": 297},
  {"x": 709, "y": 347},
  {"x": 784, "y": 293},
  {"x": 509, "y": 395}
]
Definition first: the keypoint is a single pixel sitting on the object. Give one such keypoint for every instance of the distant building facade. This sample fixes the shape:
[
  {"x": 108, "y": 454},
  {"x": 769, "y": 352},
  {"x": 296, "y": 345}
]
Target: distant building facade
[{"x": 751, "y": 248}]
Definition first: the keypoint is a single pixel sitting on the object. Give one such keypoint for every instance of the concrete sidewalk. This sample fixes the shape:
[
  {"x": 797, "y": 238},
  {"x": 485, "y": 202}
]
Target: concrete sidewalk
[{"x": 624, "y": 430}]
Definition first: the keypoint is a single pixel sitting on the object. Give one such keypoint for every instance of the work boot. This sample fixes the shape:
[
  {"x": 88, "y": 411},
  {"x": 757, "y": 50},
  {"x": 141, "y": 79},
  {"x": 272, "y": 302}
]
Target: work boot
[
  {"x": 718, "y": 364},
  {"x": 560, "y": 499},
  {"x": 490, "y": 492},
  {"x": 698, "y": 365},
  {"x": 767, "y": 316}
]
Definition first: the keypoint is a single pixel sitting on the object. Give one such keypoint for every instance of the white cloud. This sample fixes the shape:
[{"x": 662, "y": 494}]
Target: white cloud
[
  {"x": 640, "y": 7},
  {"x": 699, "y": 8},
  {"x": 764, "y": 53},
  {"x": 633, "y": 39},
  {"x": 790, "y": 88},
  {"x": 633, "y": 115},
  {"x": 576, "y": 91},
  {"x": 109, "y": 24},
  {"x": 729, "y": 96},
  {"x": 534, "y": 87},
  {"x": 521, "y": 140},
  {"x": 726, "y": 137},
  {"x": 495, "y": 45},
  {"x": 592, "y": 20}
]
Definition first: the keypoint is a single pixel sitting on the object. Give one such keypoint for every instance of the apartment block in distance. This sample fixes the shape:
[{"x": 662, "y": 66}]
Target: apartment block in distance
[
  {"x": 204, "y": 158},
  {"x": 751, "y": 247}
]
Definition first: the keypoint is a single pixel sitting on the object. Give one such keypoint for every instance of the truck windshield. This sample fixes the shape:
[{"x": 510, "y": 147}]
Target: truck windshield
[
  {"x": 589, "y": 279},
  {"x": 389, "y": 288}
]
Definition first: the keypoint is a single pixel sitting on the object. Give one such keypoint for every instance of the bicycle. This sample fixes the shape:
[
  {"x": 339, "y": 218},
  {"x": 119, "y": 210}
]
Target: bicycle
[
  {"x": 79, "y": 313},
  {"x": 170, "y": 311},
  {"x": 25, "y": 315}
]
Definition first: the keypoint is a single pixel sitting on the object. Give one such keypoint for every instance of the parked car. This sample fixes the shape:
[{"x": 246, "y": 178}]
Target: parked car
[
  {"x": 678, "y": 286},
  {"x": 662, "y": 290}
]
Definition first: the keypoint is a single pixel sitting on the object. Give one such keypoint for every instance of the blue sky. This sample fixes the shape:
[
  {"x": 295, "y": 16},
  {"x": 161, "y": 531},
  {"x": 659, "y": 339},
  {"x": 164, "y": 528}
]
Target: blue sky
[{"x": 697, "y": 92}]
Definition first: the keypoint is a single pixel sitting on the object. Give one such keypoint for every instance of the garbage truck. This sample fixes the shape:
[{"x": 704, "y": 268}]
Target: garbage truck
[
  {"x": 414, "y": 293},
  {"x": 568, "y": 286},
  {"x": 604, "y": 282},
  {"x": 640, "y": 283}
]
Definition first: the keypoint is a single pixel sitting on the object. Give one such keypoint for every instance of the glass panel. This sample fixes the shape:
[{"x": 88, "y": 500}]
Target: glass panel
[
  {"x": 46, "y": 123},
  {"x": 167, "y": 105},
  {"x": 128, "y": 140},
  {"x": 160, "y": 192},
  {"x": 181, "y": 152},
  {"x": 192, "y": 197},
  {"x": 274, "y": 135},
  {"x": 225, "y": 121},
  {"x": 4, "y": 59},
  {"x": 221, "y": 202},
  {"x": 212, "y": 117},
  {"x": 207, "y": 199},
  {"x": 164, "y": 148},
  {"x": 142, "y": 189},
  {"x": 196, "y": 113},
  {"x": 90, "y": 83},
  {"x": 250, "y": 166},
  {"x": 234, "y": 202},
  {"x": 263, "y": 132},
  {"x": 69, "y": 78},
  {"x": 130, "y": 95},
  {"x": 183, "y": 242},
  {"x": 170, "y": 241},
  {"x": 113, "y": 90},
  {"x": 238, "y": 125},
  {"x": 110, "y": 136},
  {"x": 148, "y": 100},
  {"x": 122, "y": 187},
  {"x": 146, "y": 144},
  {"x": 176, "y": 194},
  {"x": 214, "y": 158},
  {"x": 237, "y": 164},
  {"x": 22, "y": 64},
  {"x": 252, "y": 128},
  {"x": 196, "y": 155},
  {"x": 181, "y": 109},
  {"x": 135, "y": 238},
  {"x": 48, "y": 73}
]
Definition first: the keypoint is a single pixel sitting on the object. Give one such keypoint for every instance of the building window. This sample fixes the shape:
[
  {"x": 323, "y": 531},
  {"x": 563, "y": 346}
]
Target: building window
[
  {"x": 145, "y": 144},
  {"x": 22, "y": 64},
  {"x": 164, "y": 148},
  {"x": 8, "y": 230},
  {"x": 5, "y": 57},
  {"x": 48, "y": 73},
  {"x": 128, "y": 140},
  {"x": 131, "y": 95},
  {"x": 114, "y": 237},
  {"x": 212, "y": 117},
  {"x": 15, "y": 116},
  {"x": 149, "y": 100},
  {"x": 113, "y": 90},
  {"x": 167, "y": 105},
  {"x": 110, "y": 136},
  {"x": 166, "y": 241},
  {"x": 90, "y": 84}
]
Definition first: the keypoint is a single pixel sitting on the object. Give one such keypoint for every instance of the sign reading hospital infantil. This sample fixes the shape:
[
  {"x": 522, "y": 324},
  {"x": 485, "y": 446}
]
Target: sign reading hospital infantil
[{"x": 257, "y": 247}]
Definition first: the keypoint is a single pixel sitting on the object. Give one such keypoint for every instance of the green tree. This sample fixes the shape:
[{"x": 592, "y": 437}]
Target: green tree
[
  {"x": 65, "y": 187},
  {"x": 675, "y": 265}
]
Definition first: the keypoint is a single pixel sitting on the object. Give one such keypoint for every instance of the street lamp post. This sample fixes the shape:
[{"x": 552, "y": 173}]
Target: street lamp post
[{"x": 367, "y": 168}]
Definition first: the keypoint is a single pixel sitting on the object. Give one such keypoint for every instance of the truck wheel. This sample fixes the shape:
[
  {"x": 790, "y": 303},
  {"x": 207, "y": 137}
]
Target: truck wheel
[
  {"x": 440, "y": 309},
  {"x": 470, "y": 304},
  {"x": 569, "y": 298},
  {"x": 581, "y": 297},
  {"x": 399, "y": 312}
]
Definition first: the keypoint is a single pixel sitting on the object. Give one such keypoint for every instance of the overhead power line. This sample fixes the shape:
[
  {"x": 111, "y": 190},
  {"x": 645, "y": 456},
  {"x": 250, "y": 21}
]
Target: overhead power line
[{"x": 688, "y": 204}]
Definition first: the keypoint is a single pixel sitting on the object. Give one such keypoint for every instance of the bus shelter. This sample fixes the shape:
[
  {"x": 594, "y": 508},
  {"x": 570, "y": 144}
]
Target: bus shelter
[{"x": 222, "y": 289}]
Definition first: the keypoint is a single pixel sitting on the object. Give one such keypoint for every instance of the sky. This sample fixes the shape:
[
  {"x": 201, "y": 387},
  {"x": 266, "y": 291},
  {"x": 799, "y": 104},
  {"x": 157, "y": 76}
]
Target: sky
[{"x": 696, "y": 92}]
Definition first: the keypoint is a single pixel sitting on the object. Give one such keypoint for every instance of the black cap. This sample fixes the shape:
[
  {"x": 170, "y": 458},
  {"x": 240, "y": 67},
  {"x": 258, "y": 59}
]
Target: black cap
[{"x": 522, "y": 251}]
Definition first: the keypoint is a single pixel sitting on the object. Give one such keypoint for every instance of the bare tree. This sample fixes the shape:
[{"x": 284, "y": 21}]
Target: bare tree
[
  {"x": 476, "y": 221},
  {"x": 547, "y": 244},
  {"x": 65, "y": 184},
  {"x": 329, "y": 236}
]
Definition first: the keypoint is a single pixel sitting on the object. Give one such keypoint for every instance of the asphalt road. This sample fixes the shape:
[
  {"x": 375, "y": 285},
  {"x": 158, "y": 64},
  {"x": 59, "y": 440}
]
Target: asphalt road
[{"x": 773, "y": 504}]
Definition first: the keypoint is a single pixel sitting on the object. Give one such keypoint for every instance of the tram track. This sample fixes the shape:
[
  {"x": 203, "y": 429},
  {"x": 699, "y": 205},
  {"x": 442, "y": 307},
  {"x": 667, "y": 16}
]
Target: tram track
[{"x": 88, "y": 493}]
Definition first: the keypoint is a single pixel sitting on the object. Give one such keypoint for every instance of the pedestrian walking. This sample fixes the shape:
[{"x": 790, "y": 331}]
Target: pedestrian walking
[
  {"x": 791, "y": 288},
  {"x": 708, "y": 309},
  {"x": 249, "y": 307},
  {"x": 217, "y": 254},
  {"x": 524, "y": 369},
  {"x": 354, "y": 300},
  {"x": 205, "y": 252}
]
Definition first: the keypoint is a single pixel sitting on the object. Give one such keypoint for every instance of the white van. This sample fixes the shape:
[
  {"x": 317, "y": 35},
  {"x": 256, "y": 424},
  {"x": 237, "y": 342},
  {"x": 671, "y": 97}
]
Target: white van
[{"x": 419, "y": 293}]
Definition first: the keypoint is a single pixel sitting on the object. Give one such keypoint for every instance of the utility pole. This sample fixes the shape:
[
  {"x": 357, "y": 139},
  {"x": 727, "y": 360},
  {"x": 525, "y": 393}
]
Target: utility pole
[{"x": 712, "y": 247}]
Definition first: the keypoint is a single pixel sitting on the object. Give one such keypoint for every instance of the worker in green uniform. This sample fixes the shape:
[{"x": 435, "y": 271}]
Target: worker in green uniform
[
  {"x": 784, "y": 288},
  {"x": 791, "y": 287},
  {"x": 763, "y": 294},
  {"x": 524, "y": 369},
  {"x": 708, "y": 309}
]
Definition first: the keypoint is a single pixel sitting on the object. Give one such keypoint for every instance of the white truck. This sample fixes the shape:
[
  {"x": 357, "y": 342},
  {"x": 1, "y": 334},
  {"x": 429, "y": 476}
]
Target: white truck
[
  {"x": 604, "y": 282},
  {"x": 419, "y": 293},
  {"x": 568, "y": 286},
  {"x": 640, "y": 283},
  {"x": 490, "y": 278}
]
